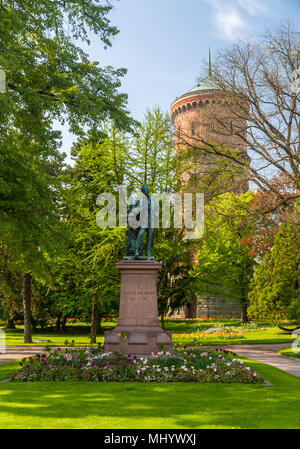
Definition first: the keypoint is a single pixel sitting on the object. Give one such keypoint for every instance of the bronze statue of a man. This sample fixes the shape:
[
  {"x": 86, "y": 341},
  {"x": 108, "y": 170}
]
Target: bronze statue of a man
[{"x": 145, "y": 212}]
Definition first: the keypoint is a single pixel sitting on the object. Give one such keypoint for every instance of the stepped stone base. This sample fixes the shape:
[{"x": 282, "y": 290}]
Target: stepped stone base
[{"x": 138, "y": 332}]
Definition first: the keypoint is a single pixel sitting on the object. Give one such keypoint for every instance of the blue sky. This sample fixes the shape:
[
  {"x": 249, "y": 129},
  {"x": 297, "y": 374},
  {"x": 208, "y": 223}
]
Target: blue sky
[{"x": 164, "y": 43}]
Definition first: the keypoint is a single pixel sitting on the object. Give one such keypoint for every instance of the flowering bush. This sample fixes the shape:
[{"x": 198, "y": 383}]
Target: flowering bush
[{"x": 92, "y": 364}]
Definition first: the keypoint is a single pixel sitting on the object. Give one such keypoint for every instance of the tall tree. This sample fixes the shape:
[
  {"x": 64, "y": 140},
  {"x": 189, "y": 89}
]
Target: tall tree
[
  {"x": 99, "y": 168},
  {"x": 150, "y": 159},
  {"x": 48, "y": 77},
  {"x": 224, "y": 265},
  {"x": 255, "y": 80},
  {"x": 275, "y": 286}
]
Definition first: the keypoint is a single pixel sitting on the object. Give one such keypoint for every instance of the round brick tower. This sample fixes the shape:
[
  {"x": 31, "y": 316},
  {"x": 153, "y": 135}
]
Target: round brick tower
[{"x": 203, "y": 116}]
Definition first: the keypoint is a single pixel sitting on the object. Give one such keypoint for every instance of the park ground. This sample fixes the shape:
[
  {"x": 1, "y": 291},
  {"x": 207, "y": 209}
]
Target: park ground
[
  {"x": 153, "y": 406},
  {"x": 185, "y": 332}
]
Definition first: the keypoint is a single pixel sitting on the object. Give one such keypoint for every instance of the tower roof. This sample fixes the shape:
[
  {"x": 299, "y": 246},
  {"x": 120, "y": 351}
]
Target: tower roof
[{"x": 209, "y": 82}]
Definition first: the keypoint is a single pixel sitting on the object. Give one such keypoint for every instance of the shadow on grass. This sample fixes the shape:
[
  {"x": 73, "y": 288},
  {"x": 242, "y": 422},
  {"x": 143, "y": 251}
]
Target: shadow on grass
[{"x": 152, "y": 405}]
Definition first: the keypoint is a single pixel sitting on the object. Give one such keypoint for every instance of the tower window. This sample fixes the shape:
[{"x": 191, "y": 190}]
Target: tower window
[
  {"x": 231, "y": 128},
  {"x": 179, "y": 131},
  {"x": 212, "y": 127},
  {"x": 193, "y": 128}
]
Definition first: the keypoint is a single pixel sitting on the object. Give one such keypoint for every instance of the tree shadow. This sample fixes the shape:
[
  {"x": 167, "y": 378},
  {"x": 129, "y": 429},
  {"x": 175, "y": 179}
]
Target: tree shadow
[{"x": 151, "y": 405}]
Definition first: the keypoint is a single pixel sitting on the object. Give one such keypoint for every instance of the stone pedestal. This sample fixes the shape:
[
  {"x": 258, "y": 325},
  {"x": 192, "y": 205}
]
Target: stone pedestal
[{"x": 138, "y": 331}]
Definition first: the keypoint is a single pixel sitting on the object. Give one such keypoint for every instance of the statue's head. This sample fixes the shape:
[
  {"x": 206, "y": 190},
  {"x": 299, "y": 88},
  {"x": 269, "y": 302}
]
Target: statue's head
[{"x": 145, "y": 189}]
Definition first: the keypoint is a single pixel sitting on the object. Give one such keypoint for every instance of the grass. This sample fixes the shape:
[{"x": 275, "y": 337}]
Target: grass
[
  {"x": 270, "y": 334},
  {"x": 79, "y": 332},
  {"x": 152, "y": 406},
  {"x": 288, "y": 352},
  {"x": 7, "y": 368}
]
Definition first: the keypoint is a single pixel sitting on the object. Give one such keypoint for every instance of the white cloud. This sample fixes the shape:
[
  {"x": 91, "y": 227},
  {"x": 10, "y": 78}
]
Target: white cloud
[
  {"x": 253, "y": 7},
  {"x": 230, "y": 16},
  {"x": 230, "y": 22}
]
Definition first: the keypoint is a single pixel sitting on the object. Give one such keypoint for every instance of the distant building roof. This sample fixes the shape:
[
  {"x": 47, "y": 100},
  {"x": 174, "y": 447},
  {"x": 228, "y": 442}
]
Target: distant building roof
[{"x": 209, "y": 83}]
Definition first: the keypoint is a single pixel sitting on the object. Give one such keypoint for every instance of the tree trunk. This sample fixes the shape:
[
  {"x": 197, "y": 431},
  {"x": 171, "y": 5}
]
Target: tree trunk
[
  {"x": 191, "y": 310},
  {"x": 26, "y": 297},
  {"x": 162, "y": 321},
  {"x": 95, "y": 320},
  {"x": 10, "y": 324},
  {"x": 57, "y": 324},
  {"x": 98, "y": 328},
  {"x": 33, "y": 324},
  {"x": 244, "y": 315},
  {"x": 63, "y": 323}
]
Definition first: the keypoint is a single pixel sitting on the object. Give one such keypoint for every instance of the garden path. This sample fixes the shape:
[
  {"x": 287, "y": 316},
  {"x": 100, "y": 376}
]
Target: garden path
[
  {"x": 18, "y": 352},
  {"x": 268, "y": 354}
]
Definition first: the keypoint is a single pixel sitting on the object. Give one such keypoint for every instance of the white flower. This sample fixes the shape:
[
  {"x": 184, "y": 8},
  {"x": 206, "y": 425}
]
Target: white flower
[{"x": 98, "y": 357}]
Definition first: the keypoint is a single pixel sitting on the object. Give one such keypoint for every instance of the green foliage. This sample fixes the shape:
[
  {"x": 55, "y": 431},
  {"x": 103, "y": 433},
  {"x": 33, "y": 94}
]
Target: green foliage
[
  {"x": 275, "y": 286},
  {"x": 224, "y": 266},
  {"x": 150, "y": 159},
  {"x": 49, "y": 77},
  {"x": 177, "y": 278}
]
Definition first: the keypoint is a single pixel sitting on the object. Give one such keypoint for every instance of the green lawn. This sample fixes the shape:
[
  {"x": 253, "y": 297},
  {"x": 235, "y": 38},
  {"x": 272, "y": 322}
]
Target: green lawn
[
  {"x": 138, "y": 406},
  {"x": 79, "y": 332},
  {"x": 288, "y": 352},
  {"x": 270, "y": 334}
]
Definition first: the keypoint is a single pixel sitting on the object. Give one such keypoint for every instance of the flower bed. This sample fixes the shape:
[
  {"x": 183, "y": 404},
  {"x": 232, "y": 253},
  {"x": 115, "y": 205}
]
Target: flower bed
[
  {"x": 210, "y": 336},
  {"x": 91, "y": 364}
]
